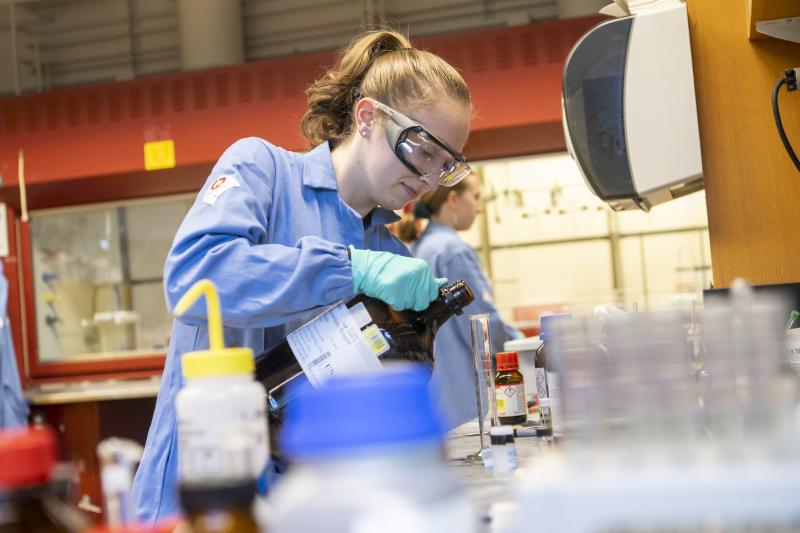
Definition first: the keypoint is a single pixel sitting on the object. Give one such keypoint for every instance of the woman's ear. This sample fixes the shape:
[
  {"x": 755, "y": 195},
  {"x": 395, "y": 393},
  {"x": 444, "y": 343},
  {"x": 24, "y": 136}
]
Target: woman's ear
[
  {"x": 364, "y": 116},
  {"x": 452, "y": 197}
]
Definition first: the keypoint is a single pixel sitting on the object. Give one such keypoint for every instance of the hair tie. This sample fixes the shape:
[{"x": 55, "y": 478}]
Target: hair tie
[{"x": 421, "y": 210}]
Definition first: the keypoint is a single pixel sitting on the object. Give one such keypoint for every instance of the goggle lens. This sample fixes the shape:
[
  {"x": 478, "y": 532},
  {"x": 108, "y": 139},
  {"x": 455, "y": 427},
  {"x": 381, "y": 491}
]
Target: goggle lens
[{"x": 417, "y": 149}]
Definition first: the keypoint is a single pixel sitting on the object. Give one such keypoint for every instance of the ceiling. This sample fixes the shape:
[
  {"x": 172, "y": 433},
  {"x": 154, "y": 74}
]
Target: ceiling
[{"x": 47, "y": 44}]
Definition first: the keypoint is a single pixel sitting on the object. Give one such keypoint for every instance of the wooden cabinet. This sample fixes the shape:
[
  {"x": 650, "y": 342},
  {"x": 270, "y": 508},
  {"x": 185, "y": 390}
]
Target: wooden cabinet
[
  {"x": 752, "y": 187},
  {"x": 81, "y": 425},
  {"x": 767, "y": 10}
]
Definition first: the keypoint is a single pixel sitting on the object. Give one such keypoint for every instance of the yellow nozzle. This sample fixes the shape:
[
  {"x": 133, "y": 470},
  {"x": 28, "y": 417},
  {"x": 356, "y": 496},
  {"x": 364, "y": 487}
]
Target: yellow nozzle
[
  {"x": 217, "y": 360},
  {"x": 205, "y": 288}
]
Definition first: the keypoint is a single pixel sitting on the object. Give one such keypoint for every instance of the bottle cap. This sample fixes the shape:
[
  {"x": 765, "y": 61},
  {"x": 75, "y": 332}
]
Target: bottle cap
[
  {"x": 26, "y": 457},
  {"x": 507, "y": 361},
  {"x": 217, "y": 360},
  {"x": 501, "y": 430},
  {"x": 501, "y": 435},
  {"x": 347, "y": 415},
  {"x": 546, "y": 324}
]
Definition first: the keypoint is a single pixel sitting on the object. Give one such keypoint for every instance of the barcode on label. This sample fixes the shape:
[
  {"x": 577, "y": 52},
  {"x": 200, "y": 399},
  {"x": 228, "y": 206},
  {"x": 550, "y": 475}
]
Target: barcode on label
[
  {"x": 320, "y": 359},
  {"x": 375, "y": 339}
]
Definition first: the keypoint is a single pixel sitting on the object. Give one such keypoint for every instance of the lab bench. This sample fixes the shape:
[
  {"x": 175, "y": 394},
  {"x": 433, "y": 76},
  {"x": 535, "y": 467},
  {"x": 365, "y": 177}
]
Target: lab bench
[{"x": 483, "y": 488}]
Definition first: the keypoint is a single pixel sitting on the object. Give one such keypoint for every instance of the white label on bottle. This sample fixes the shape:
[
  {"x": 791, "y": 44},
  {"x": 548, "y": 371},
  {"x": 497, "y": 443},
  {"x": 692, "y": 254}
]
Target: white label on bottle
[
  {"x": 542, "y": 390},
  {"x": 541, "y": 383},
  {"x": 510, "y": 400},
  {"x": 332, "y": 345},
  {"x": 360, "y": 315},
  {"x": 223, "y": 443}
]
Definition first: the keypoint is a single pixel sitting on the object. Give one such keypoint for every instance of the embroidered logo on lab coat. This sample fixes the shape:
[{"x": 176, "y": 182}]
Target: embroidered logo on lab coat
[{"x": 219, "y": 186}]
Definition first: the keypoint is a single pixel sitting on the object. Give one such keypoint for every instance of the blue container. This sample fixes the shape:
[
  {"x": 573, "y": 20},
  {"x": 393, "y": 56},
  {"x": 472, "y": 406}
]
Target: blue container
[
  {"x": 354, "y": 413},
  {"x": 546, "y": 324}
]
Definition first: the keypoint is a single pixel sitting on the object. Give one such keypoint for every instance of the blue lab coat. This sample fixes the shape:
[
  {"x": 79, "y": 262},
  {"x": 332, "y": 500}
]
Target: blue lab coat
[
  {"x": 13, "y": 407},
  {"x": 274, "y": 242},
  {"x": 453, "y": 374}
]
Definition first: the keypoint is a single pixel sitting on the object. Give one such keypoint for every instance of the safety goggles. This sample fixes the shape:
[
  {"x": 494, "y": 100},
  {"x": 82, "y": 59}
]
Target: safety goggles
[{"x": 421, "y": 152}]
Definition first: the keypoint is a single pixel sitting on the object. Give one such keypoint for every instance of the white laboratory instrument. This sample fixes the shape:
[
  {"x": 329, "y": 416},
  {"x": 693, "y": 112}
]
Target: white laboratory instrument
[{"x": 629, "y": 111}]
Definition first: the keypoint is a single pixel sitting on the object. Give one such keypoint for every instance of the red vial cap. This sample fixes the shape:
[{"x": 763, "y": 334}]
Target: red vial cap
[
  {"x": 507, "y": 361},
  {"x": 26, "y": 457}
]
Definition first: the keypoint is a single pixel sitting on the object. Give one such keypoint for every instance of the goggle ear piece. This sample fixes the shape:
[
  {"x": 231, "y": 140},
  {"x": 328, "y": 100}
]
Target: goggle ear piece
[{"x": 394, "y": 133}]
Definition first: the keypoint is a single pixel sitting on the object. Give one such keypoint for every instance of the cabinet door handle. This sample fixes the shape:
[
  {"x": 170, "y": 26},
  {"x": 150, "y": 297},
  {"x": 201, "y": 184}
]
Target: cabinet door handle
[{"x": 85, "y": 504}]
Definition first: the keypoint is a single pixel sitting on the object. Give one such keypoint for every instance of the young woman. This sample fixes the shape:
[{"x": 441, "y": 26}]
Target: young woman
[
  {"x": 282, "y": 234},
  {"x": 451, "y": 210}
]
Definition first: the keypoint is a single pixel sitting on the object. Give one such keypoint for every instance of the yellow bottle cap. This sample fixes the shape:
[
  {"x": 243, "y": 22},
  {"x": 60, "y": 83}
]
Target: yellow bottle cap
[{"x": 217, "y": 360}]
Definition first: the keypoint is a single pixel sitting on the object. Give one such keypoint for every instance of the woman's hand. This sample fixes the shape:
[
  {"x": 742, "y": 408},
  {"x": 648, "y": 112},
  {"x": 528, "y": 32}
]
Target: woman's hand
[{"x": 402, "y": 282}]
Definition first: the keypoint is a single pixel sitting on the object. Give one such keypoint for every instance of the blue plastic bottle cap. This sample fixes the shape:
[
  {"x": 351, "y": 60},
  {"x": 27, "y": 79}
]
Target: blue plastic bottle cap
[
  {"x": 546, "y": 324},
  {"x": 349, "y": 414}
]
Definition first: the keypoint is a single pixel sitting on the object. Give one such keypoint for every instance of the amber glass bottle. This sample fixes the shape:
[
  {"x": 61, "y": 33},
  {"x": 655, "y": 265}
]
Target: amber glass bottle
[
  {"x": 361, "y": 324},
  {"x": 220, "y": 508},
  {"x": 509, "y": 386}
]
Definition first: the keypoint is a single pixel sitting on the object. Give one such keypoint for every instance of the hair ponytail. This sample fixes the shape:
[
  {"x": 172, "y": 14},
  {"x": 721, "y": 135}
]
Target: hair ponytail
[
  {"x": 329, "y": 116},
  {"x": 383, "y": 65}
]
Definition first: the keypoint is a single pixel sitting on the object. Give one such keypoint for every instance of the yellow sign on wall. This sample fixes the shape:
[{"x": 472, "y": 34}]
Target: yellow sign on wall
[{"x": 159, "y": 154}]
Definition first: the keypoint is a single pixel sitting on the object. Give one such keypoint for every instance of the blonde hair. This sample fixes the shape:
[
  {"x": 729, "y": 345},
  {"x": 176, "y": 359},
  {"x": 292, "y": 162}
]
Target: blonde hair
[{"x": 383, "y": 65}]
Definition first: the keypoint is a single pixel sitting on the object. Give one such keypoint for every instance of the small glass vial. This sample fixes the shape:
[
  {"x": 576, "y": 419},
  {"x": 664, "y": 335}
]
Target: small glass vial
[
  {"x": 504, "y": 454},
  {"x": 509, "y": 387}
]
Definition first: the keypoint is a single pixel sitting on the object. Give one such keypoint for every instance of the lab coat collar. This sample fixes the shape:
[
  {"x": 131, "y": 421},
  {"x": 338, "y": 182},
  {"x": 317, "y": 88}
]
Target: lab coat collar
[
  {"x": 438, "y": 227},
  {"x": 318, "y": 173},
  {"x": 381, "y": 217},
  {"x": 318, "y": 168}
]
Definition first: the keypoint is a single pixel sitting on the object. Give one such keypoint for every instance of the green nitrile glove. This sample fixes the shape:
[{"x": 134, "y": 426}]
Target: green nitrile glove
[{"x": 402, "y": 282}]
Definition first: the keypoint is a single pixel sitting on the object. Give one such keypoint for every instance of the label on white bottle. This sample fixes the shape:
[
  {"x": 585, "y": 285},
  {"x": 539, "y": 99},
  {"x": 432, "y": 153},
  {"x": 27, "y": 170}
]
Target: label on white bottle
[
  {"x": 225, "y": 442},
  {"x": 333, "y": 345},
  {"x": 510, "y": 400}
]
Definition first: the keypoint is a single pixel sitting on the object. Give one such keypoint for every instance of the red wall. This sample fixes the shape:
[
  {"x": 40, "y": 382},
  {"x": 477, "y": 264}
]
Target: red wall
[{"x": 87, "y": 143}]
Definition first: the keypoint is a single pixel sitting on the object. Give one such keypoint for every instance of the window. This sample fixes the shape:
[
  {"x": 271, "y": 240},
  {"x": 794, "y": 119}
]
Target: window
[
  {"x": 546, "y": 240},
  {"x": 98, "y": 278}
]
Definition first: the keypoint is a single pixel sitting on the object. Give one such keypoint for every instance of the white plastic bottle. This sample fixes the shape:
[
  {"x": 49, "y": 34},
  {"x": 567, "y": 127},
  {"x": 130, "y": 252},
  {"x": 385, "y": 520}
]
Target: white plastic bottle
[{"x": 222, "y": 423}]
